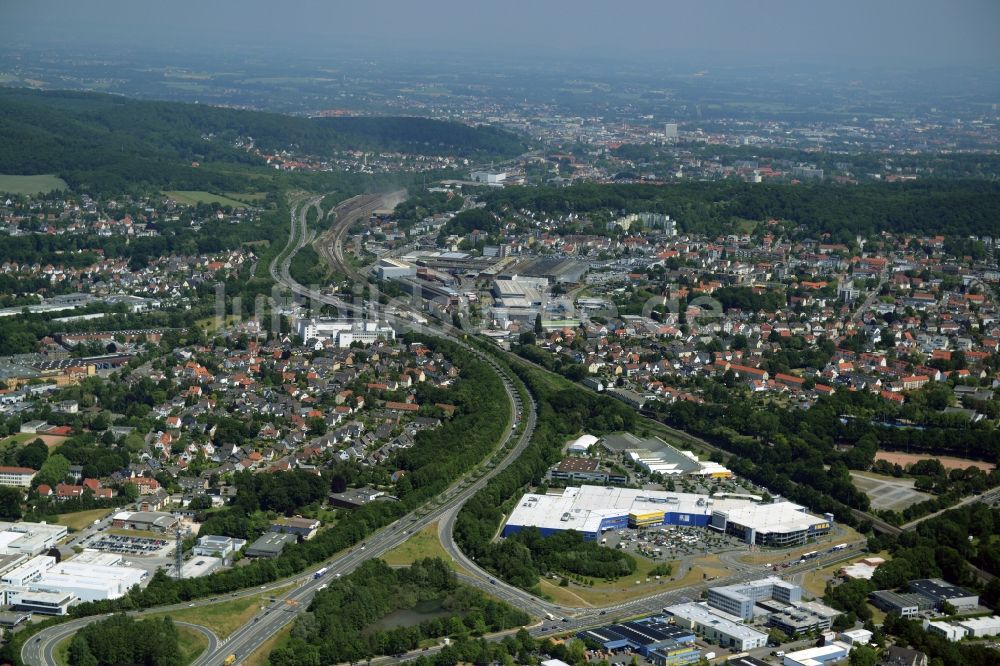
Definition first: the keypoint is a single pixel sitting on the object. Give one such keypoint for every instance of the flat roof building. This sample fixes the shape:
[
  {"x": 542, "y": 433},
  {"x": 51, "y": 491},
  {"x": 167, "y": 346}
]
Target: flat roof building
[
  {"x": 591, "y": 510},
  {"x": 904, "y": 604},
  {"x": 303, "y": 527},
  {"x": 939, "y": 591},
  {"x": 357, "y": 497},
  {"x": 90, "y": 582},
  {"x": 270, "y": 544},
  {"x": 44, "y": 602},
  {"x": 980, "y": 627},
  {"x": 392, "y": 269},
  {"x": 28, "y": 572},
  {"x": 343, "y": 332},
  {"x": 817, "y": 656},
  {"x": 740, "y": 599},
  {"x": 25, "y": 538},
  {"x": 585, "y": 470},
  {"x": 642, "y": 636},
  {"x": 945, "y": 630},
  {"x": 716, "y": 626},
  {"x": 217, "y": 546},
  {"x": 150, "y": 521},
  {"x": 803, "y": 618}
]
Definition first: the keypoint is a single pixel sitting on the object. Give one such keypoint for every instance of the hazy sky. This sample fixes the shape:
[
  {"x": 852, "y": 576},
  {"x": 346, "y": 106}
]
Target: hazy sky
[{"x": 919, "y": 33}]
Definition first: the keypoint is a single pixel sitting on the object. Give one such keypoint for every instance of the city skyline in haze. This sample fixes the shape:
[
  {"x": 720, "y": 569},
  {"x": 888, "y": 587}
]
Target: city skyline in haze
[{"x": 916, "y": 34}]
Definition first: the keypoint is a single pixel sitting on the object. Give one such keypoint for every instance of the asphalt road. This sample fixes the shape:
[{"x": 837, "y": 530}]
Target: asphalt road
[
  {"x": 41, "y": 649},
  {"x": 267, "y": 623}
]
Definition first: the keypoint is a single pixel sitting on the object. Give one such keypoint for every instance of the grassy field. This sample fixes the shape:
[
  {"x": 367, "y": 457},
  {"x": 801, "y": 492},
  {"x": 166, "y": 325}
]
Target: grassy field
[
  {"x": 31, "y": 184},
  {"x": 80, "y": 519},
  {"x": 192, "y": 197},
  {"x": 259, "y": 656},
  {"x": 639, "y": 584},
  {"x": 424, "y": 543},
  {"x": 224, "y": 617},
  {"x": 208, "y": 323},
  {"x": 19, "y": 438},
  {"x": 814, "y": 582},
  {"x": 192, "y": 644}
]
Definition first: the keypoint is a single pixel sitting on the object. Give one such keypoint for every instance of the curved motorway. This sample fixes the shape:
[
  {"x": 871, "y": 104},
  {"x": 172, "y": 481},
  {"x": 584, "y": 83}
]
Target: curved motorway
[{"x": 42, "y": 648}]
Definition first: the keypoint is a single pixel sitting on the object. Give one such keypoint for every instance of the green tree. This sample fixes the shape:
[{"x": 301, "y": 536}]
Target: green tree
[
  {"x": 862, "y": 655},
  {"x": 33, "y": 455},
  {"x": 54, "y": 471},
  {"x": 10, "y": 503}
]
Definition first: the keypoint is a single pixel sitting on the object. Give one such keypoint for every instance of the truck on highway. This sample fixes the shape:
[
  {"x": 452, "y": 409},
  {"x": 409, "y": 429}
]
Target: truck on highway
[
  {"x": 320, "y": 573},
  {"x": 550, "y": 616}
]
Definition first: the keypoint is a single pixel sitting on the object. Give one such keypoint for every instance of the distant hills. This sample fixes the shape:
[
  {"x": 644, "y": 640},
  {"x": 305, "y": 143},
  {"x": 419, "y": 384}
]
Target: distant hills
[{"x": 107, "y": 141}]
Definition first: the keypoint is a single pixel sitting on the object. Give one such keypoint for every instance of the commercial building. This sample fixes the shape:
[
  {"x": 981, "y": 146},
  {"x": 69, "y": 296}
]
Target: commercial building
[
  {"x": 940, "y": 591},
  {"x": 38, "y": 601},
  {"x": 28, "y": 572},
  {"x": 149, "y": 521},
  {"x": 90, "y": 582},
  {"x": 211, "y": 545},
  {"x": 393, "y": 269},
  {"x": 642, "y": 636},
  {"x": 740, "y": 599},
  {"x": 357, "y": 497},
  {"x": 896, "y": 655},
  {"x": 581, "y": 445},
  {"x": 945, "y": 630},
  {"x": 343, "y": 332},
  {"x": 18, "y": 477},
  {"x": 817, "y": 656},
  {"x": 301, "y": 527},
  {"x": 270, "y": 544},
  {"x": 856, "y": 637},
  {"x": 905, "y": 604},
  {"x": 200, "y": 565},
  {"x": 591, "y": 510},
  {"x": 585, "y": 470},
  {"x": 980, "y": 627},
  {"x": 656, "y": 456},
  {"x": 804, "y": 617},
  {"x": 29, "y": 538},
  {"x": 520, "y": 293},
  {"x": 489, "y": 177},
  {"x": 716, "y": 626}
]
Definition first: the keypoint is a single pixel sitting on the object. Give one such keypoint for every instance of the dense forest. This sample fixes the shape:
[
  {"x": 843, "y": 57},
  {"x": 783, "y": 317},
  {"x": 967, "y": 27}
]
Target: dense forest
[
  {"x": 343, "y": 621},
  {"x": 932, "y": 207},
  {"x": 123, "y": 641},
  {"x": 107, "y": 143}
]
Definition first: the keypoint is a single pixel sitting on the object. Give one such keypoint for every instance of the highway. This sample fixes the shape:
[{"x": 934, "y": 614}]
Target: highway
[
  {"x": 41, "y": 649},
  {"x": 271, "y": 620}
]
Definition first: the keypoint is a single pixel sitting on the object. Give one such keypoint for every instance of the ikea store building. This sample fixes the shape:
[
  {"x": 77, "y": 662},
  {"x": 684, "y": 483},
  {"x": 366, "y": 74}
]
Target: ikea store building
[{"x": 592, "y": 510}]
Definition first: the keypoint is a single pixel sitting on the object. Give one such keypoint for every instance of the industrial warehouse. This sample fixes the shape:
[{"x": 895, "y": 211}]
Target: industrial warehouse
[{"x": 592, "y": 510}]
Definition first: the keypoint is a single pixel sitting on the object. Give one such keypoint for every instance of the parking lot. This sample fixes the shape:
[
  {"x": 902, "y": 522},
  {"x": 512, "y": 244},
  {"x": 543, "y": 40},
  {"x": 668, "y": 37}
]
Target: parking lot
[
  {"x": 888, "y": 493},
  {"x": 671, "y": 542},
  {"x": 129, "y": 545}
]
